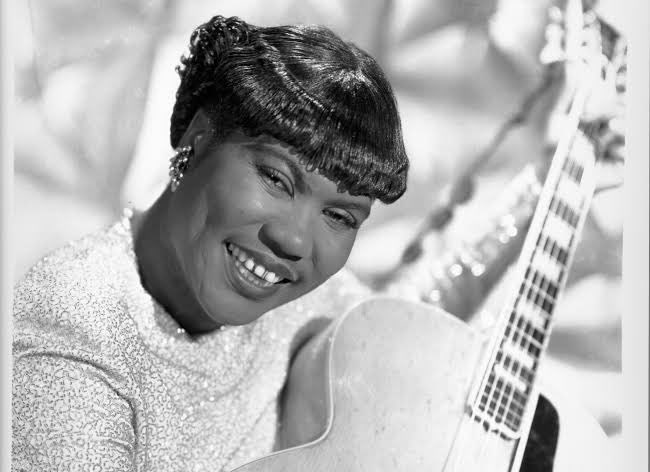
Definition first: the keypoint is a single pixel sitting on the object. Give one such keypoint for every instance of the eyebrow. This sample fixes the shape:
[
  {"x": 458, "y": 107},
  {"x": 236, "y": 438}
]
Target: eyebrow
[
  {"x": 298, "y": 175},
  {"x": 294, "y": 168}
]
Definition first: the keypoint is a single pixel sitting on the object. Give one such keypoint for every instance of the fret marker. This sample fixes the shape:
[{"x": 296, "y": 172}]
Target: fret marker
[
  {"x": 547, "y": 266},
  {"x": 533, "y": 314},
  {"x": 515, "y": 353},
  {"x": 508, "y": 377},
  {"x": 570, "y": 192},
  {"x": 558, "y": 230}
]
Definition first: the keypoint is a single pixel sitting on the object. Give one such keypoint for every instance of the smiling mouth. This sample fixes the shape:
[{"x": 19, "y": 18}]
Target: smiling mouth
[{"x": 252, "y": 271}]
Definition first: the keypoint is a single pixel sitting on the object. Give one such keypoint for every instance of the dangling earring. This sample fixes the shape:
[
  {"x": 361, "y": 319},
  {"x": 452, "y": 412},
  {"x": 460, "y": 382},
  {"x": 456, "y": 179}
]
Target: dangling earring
[{"x": 178, "y": 165}]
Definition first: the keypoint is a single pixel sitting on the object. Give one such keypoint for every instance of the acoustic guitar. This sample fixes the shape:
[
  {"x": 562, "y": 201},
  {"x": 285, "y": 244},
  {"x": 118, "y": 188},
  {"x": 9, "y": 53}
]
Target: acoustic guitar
[{"x": 408, "y": 387}]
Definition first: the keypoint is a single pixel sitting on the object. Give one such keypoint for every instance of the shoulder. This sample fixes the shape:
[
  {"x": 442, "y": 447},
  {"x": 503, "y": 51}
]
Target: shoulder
[{"x": 76, "y": 291}]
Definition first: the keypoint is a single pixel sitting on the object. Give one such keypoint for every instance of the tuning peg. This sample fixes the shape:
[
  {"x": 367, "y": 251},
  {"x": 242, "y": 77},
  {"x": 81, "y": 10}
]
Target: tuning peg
[
  {"x": 553, "y": 50},
  {"x": 555, "y": 14},
  {"x": 621, "y": 81},
  {"x": 590, "y": 18},
  {"x": 554, "y": 32},
  {"x": 551, "y": 53}
]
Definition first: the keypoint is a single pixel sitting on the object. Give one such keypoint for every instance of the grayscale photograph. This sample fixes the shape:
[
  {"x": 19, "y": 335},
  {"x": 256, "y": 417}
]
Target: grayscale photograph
[{"x": 287, "y": 236}]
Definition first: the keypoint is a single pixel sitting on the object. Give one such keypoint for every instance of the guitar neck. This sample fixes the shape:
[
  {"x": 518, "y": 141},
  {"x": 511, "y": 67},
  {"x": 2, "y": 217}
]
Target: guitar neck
[{"x": 524, "y": 324}]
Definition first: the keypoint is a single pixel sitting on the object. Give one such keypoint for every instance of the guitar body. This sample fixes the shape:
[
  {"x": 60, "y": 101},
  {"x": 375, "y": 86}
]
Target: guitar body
[{"x": 397, "y": 378}]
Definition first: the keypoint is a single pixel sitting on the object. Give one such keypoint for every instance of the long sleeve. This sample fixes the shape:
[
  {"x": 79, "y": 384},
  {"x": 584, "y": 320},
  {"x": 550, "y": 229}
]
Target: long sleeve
[{"x": 67, "y": 415}]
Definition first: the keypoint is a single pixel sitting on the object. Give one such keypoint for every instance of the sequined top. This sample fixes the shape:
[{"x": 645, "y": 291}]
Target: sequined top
[{"x": 104, "y": 379}]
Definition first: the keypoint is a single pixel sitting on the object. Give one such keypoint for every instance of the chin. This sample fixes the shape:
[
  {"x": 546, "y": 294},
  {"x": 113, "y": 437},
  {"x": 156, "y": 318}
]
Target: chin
[
  {"x": 246, "y": 311},
  {"x": 241, "y": 320}
]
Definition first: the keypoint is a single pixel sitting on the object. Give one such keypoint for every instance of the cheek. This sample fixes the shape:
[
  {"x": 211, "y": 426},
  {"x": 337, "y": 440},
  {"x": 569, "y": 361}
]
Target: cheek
[
  {"x": 332, "y": 253},
  {"x": 231, "y": 206},
  {"x": 198, "y": 236},
  {"x": 208, "y": 260},
  {"x": 193, "y": 245}
]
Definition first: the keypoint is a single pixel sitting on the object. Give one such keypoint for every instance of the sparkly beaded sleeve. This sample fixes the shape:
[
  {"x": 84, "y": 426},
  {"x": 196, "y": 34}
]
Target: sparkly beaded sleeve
[
  {"x": 65, "y": 411},
  {"x": 72, "y": 393}
]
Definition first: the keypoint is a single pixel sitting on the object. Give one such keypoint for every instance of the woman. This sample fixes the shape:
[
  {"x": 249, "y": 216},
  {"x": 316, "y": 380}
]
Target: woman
[{"x": 144, "y": 347}]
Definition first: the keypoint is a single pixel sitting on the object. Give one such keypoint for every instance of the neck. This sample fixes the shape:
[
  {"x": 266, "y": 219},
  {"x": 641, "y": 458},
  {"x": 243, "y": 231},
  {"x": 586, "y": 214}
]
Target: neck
[{"x": 160, "y": 271}]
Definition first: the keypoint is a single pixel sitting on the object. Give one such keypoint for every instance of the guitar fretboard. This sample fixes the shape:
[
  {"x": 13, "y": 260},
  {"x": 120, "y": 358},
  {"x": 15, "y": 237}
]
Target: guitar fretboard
[{"x": 526, "y": 320}]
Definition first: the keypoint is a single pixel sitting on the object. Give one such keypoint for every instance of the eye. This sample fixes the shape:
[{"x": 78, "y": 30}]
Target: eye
[
  {"x": 275, "y": 179},
  {"x": 341, "y": 218}
]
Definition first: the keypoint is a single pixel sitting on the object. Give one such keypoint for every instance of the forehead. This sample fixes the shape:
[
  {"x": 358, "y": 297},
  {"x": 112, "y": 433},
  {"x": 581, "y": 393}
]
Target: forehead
[{"x": 267, "y": 145}]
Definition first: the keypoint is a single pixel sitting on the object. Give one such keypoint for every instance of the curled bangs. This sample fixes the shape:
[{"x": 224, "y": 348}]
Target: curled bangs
[{"x": 340, "y": 125}]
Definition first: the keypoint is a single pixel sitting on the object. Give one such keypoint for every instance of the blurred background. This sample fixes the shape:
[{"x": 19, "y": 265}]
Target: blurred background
[{"x": 95, "y": 85}]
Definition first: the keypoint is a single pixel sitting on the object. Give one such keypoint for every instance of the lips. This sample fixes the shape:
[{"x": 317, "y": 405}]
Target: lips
[
  {"x": 256, "y": 275},
  {"x": 266, "y": 262},
  {"x": 245, "y": 263}
]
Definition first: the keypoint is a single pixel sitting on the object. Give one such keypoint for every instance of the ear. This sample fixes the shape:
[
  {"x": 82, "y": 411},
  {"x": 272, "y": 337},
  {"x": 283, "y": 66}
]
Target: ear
[{"x": 198, "y": 134}]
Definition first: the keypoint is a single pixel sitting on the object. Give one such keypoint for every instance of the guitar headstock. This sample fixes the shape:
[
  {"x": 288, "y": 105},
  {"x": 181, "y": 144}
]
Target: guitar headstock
[
  {"x": 576, "y": 34},
  {"x": 581, "y": 47}
]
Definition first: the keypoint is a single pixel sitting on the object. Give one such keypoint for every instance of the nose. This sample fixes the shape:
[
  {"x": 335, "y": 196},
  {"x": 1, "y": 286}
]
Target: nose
[{"x": 289, "y": 237}]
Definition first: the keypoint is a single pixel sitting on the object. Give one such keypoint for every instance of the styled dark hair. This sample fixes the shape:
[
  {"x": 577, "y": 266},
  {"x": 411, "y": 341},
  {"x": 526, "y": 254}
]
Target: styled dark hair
[{"x": 326, "y": 99}]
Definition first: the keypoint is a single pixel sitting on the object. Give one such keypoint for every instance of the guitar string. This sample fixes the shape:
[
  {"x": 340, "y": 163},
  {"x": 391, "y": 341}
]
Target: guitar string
[
  {"x": 518, "y": 338},
  {"x": 490, "y": 393},
  {"x": 589, "y": 135},
  {"x": 487, "y": 438},
  {"x": 513, "y": 330},
  {"x": 526, "y": 342},
  {"x": 498, "y": 395},
  {"x": 538, "y": 310},
  {"x": 581, "y": 210},
  {"x": 541, "y": 290},
  {"x": 452, "y": 457},
  {"x": 463, "y": 457}
]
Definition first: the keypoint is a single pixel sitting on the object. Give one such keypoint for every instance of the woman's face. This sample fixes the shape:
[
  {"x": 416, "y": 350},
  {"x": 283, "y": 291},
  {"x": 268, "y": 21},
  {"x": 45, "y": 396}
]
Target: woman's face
[{"x": 252, "y": 229}]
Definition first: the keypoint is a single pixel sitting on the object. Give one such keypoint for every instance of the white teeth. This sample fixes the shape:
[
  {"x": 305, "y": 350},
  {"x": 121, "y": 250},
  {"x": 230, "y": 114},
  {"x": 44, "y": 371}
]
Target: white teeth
[
  {"x": 259, "y": 270},
  {"x": 248, "y": 276},
  {"x": 271, "y": 277}
]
